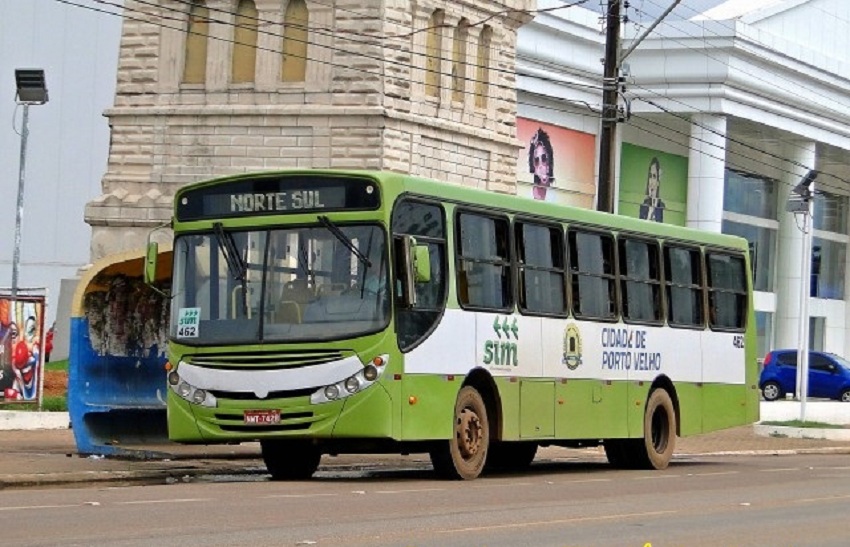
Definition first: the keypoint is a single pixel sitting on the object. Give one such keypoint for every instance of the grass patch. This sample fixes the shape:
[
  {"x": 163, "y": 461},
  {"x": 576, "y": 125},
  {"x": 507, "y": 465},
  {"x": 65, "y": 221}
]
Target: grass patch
[
  {"x": 805, "y": 424},
  {"x": 50, "y": 403},
  {"x": 57, "y": 365}
]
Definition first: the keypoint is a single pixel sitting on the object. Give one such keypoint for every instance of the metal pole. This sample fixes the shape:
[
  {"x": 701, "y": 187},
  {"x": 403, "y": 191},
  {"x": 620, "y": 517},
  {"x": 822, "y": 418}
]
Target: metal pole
[
  {"x": 803, "y": 362},
  {"x": 20, "y": 212}
]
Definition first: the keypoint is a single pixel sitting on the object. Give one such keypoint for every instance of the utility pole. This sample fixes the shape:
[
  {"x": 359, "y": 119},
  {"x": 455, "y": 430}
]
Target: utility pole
[{"x": 610, "y": 108}]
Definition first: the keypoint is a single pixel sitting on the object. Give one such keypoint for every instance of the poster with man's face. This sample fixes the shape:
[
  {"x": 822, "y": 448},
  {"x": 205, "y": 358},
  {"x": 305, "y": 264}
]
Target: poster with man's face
[
  {"x": 555, "y": 164},
  {"x": 653, "y": 185}
]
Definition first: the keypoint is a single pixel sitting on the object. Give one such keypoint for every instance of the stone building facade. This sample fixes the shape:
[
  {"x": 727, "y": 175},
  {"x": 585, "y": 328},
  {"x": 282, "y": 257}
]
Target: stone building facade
[{"x": 217, "y": 87}]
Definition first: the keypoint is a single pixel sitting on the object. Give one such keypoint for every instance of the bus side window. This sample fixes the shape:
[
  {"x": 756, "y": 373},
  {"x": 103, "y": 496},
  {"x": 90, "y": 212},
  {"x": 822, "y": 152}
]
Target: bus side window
[
  {"x": 727, "y": 291},
  {"x": 540, "y": 259},
  {"x": 683, "y": 286},
  {"x": 640, "y": 280},
  {"x": 483, "y": 252},
  {"x": 592, "y": 274},
  {"x": 425, "y": 221}
]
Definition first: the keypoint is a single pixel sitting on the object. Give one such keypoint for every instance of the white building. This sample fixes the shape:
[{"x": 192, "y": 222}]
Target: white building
[{"x": 736, "y": 104}]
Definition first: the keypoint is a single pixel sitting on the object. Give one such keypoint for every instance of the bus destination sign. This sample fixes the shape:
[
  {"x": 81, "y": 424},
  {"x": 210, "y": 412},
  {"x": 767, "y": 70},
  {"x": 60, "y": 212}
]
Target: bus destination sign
[{"x": 277, "y": 195}]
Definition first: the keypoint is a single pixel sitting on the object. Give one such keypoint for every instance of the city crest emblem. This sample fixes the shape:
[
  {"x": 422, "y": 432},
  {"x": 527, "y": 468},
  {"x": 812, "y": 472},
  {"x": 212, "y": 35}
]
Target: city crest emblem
[{"x": 572, "y": 347}]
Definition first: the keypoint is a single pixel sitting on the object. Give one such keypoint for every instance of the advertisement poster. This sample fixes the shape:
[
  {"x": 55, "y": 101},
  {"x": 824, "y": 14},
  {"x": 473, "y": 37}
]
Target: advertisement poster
[
  {"x": 21, "y": 343},
  {"x": 653, "y": 185},
  {"x": 555, "y": 164}
]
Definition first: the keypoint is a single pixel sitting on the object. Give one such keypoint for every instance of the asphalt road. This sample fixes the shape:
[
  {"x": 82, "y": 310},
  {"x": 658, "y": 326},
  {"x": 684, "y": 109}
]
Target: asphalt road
[{"x": 699, "y": 500}]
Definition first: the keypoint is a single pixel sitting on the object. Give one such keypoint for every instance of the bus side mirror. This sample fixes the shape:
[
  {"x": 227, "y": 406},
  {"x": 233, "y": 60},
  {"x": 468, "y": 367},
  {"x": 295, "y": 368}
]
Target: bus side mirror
[
  {"x": 421, "y": 264},
  {"x": 150, "y": 262}
]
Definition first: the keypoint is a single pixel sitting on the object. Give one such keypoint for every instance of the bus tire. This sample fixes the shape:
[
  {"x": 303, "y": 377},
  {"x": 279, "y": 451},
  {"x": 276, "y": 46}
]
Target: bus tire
[
  {"x": 659, "y": 432},
  {"x": 288, "y": 460},
  {"x": 464, "y": 455},
  {"x": 510, "y": 456}
]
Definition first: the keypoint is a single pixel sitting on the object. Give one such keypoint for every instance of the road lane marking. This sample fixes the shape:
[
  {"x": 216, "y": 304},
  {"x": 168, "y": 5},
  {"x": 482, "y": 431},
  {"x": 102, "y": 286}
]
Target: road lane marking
[
  {"x": 714, "y": 474},
  {"x": 298, "y": 496},
  {"x": 648, "y": 477},
  {"x": 558, "y": 521},
  {"x": 410, "y": 491},
  {"x": 827, "y": 498},
  {"x": 26, "y": 507},
  {"x": 779, "y": 469},
  {"x": 176, "y": 500}
]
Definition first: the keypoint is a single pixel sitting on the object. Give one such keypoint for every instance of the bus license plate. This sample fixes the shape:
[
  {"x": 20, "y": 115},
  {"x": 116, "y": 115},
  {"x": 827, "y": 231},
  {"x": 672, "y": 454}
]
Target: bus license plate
[{"x": 262, "y": 417}]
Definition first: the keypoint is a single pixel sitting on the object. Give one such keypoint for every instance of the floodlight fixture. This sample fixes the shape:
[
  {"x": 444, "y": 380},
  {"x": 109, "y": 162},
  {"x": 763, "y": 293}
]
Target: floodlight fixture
[
  {"x": 32, "y": 87},
  {"x": 803, "y": 187}
]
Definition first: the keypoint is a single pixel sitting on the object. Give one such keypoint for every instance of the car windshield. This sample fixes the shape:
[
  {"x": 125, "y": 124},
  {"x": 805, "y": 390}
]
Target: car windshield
[
  {"x": 320, "y": 282},
  {"x": 840, "y": 360}
]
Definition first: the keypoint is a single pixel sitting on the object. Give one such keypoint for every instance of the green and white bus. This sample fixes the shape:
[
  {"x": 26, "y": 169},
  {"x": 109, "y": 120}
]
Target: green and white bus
[{"x": 327, "y": 312}]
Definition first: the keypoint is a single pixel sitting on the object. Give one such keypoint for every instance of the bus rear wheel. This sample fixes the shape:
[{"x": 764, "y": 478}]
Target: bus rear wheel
[
  {"x": 290, "y": 460},
  {"x": 464, "y": 455},
  {"x": 655, "y": 449}
]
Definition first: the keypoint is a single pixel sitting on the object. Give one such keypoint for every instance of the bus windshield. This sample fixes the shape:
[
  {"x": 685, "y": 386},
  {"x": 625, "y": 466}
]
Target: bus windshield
[{"x": 279, "y": 285}]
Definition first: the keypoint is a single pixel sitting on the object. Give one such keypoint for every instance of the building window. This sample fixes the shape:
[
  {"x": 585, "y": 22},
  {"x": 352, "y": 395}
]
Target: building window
[
  {"x": 197, "y": 33},
  {"x": 482, "y": 71},
  {"x": 295, "y": 25},
  {"x": 828, "y": 260},
  {"x": 459, "y": 60},
  {"x": 749, "y": 194},
  {"x": 829, "y": 246},
  {"x": 433, "y": 53},
  {"x": 244, "y": 43},
  {"x": 750, "y": 211},
  {"x": 762, "y": 240}
]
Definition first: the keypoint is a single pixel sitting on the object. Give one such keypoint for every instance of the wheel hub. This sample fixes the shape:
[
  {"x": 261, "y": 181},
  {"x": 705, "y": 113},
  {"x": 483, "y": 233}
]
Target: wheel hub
[{"x": 469, "y": 433}]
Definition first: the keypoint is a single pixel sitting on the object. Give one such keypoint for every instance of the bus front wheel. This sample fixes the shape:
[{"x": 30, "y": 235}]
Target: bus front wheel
[
  {"x": 290, "y": 460},
  {"x": 464, "y": 455}
]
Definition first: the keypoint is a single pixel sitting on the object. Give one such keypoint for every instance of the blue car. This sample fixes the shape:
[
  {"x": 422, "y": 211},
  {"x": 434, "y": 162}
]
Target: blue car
[{"x": 829, "y": 375}]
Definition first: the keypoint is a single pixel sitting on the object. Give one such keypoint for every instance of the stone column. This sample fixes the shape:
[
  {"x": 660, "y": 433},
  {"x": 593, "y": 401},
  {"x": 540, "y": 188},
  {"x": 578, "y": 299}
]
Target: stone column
[
  {"x": 706, "y": 172},
  {"x": 789, "y": 253}
]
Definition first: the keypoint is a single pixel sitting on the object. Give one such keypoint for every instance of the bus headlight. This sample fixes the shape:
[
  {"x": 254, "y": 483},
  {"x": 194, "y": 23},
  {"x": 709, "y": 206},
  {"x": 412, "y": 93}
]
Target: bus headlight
[
  {"x": 355, "y": 383},
  {"x": 332, "y": 392},
  {"x": 190, "y": 393}
]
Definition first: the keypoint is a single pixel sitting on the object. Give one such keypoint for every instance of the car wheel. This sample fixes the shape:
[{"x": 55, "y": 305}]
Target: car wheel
[
  {"x": 845, "y": 396},
  {"x": 771, "y": 391}
]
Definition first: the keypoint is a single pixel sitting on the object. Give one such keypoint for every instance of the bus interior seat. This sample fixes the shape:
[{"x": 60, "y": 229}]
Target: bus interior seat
[{"x": 288, "y": 311}]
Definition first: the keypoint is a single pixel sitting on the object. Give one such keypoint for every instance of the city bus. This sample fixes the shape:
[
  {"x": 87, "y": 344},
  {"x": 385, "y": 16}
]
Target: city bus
[{"x": 326, "y": 312}]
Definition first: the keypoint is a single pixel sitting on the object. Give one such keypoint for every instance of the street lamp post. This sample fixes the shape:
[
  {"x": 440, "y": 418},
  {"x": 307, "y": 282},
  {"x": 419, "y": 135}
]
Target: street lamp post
[
  {"x": 801, "y": 204},
  {"x": 31, "y": 90}
]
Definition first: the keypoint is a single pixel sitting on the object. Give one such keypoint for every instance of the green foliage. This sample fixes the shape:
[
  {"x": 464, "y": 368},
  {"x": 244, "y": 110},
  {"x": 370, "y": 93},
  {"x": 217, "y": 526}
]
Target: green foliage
[{"x": 51, "y": 403}]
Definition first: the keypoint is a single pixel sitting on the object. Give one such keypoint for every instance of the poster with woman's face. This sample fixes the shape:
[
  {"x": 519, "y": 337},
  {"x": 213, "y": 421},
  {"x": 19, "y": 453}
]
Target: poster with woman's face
[
  {"x": 653, "y": 185},
  {"x": 555, "y": 164}
]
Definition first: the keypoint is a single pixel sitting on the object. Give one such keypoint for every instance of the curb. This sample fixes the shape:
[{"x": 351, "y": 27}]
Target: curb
[
  {"x": 830, "y": 434},
  {"x": 26, "y": 420}
]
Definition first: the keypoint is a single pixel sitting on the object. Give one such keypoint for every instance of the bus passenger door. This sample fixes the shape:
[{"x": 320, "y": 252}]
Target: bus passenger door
[{"x": 537, "y": 409}]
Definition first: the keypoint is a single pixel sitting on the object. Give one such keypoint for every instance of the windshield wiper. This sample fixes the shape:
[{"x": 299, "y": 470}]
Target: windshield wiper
[
  {"x": 344, "y": 239},
  {"x": 237, "y": 266}
]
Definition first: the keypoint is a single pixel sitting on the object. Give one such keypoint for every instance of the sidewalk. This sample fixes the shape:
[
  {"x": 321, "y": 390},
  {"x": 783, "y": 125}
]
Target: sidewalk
[{"x": 48, "y": 457}]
